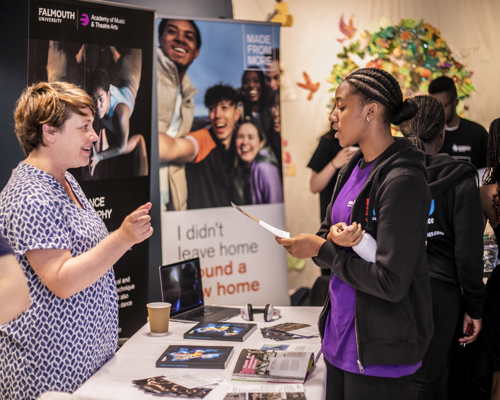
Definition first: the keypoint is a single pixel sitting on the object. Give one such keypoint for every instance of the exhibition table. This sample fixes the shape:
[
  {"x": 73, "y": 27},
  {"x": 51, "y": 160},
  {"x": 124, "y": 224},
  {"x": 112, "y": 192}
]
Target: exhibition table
[{"x": 137, "y": 357}]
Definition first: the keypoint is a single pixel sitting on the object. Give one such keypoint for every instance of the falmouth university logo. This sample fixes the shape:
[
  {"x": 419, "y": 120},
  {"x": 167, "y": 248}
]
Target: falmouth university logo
[{"x": 84, "y": 19}]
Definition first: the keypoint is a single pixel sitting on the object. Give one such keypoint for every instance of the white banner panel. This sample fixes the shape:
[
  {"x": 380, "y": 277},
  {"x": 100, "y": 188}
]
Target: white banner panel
[{"x": 240, "y": 260}]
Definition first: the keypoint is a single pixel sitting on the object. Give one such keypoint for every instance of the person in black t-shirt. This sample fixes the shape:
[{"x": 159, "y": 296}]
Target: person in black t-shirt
[
  {"x": 490, "y": 201},
  {"x": 464, "y": 139},
  {"x": 325, "y": 163},
  {"x": 454, "y": 250},
  {"x": 210, "y": 175}
]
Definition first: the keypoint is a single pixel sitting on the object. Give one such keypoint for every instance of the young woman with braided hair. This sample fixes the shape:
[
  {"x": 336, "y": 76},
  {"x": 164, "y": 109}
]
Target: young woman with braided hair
[
  {"x": 454, "y": 247},
  {"x": 377, "y": 320},
  {"x": 490, "y": 200}
]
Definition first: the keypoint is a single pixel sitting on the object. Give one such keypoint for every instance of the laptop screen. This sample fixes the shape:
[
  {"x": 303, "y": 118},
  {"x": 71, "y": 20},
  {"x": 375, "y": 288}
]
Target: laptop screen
[{"x": 181, "y": 285}]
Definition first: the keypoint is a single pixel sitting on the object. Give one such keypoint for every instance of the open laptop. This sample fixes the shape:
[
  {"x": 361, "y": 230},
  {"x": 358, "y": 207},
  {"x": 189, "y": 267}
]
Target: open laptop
[{"x": 181, "y": 287}]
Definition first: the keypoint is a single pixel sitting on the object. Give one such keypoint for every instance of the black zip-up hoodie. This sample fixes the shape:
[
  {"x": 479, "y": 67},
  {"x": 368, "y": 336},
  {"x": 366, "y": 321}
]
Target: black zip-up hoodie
[
  {"x": 455, "y": 230},
  {"x": 393, "y": 316}
]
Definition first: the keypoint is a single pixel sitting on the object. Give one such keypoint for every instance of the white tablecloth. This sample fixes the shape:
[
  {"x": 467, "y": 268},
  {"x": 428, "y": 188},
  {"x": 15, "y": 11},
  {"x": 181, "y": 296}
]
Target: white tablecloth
[{"x": 137, "y": 357}]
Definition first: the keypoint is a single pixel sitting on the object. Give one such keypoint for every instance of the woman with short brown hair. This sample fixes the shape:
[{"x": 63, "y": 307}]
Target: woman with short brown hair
[{"x": 71, "y": 328}]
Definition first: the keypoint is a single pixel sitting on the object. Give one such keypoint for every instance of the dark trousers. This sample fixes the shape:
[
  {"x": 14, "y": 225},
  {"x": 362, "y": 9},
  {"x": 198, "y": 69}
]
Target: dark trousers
[
  {"x": 342, "y": 385},
  {"x": 431, "y": 380}
]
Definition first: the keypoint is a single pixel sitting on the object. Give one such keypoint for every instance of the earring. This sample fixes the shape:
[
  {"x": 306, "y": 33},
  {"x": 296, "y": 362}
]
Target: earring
[{"x": 367, "y": 119}]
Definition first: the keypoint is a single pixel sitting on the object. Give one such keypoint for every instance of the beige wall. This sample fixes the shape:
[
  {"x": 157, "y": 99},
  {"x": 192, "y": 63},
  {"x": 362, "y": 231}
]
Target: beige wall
[{"x": 311, "y": 45}]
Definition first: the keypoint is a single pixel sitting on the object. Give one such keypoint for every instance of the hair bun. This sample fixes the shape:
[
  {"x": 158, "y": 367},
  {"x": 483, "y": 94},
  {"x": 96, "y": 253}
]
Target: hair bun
[{"x": 404, "y": 112}]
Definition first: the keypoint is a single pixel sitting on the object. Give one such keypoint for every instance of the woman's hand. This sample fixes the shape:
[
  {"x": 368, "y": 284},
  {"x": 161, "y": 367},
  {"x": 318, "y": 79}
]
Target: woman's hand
[
  {"x": 136, "y": 227},
  {"x": 66, "y": 275},
  {"x": 303, "y": 245},
  {"x": 345, "y": 235},
  {"x": 342, "y": 157}
]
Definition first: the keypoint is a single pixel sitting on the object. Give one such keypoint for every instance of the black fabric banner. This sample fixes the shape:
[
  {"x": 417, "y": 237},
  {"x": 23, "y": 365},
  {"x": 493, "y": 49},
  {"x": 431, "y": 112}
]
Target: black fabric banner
[{"x": 106, "y": 50}]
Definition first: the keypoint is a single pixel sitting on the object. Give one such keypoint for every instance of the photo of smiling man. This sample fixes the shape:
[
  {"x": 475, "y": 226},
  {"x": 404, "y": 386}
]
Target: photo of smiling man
[
  {"x": 210, "y": 175},
  {"x": 179, "y": 45}
]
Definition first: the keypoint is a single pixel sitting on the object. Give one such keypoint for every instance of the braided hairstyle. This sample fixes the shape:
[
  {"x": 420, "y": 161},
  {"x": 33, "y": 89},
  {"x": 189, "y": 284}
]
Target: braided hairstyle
[
  {"x": 427, "y": 124},
  {"x": 492, "y": 174},
  {"x": 373, "y": 84},
  {"x": 493, "y": 154}
]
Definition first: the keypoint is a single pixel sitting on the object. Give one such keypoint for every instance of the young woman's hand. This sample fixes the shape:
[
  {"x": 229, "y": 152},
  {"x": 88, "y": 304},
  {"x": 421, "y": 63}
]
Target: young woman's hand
[
  {"x": 303, "y": 245},
  {"x": 345, "y": 235}
]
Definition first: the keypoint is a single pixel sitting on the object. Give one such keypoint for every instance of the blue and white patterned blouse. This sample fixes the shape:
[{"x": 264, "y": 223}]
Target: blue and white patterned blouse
[{"x": 57, "y": 344}]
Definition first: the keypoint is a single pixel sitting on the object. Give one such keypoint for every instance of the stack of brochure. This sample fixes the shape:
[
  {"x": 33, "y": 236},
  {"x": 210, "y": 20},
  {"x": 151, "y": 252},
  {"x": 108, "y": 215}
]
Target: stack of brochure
[
  {"x": 290, "y": 330},
  {"x": 184, "y": 386},
  {"x": 273, "y": 365},
  {"x": 224, "y": 331},
  {"x": 213, "y": 357},
  {"x": 280, "y": 392}
]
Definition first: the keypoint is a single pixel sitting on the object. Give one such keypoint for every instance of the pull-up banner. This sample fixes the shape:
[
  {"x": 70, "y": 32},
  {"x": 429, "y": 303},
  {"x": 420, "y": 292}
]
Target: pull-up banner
[
  {"x": 220, "y": 142},
  {"x": 107, "y": 51}
]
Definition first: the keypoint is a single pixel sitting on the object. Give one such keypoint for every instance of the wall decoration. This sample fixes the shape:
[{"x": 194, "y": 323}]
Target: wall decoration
[
  {"x": 308, "y": 85},
  {"x": 347, "y": 30},
  {"x": 414, "y": 52},
  {"x": 280, "y": 14}
]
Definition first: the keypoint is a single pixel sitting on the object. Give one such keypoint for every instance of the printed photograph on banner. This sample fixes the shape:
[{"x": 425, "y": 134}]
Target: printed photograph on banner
[
  {"x": 219, "y": 127},
  {"x": 219, "y": 118},
  {"x": 111, "y": 75}
]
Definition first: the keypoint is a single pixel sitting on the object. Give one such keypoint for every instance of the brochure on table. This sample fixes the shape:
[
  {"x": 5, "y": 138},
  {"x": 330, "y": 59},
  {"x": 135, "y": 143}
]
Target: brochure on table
[
  {"x": 187, "y": 356},
  {"x": 223, "y": 331}
]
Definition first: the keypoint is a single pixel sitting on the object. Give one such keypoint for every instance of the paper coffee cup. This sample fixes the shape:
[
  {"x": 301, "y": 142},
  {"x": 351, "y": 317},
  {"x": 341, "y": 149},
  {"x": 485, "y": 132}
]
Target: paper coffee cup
[{"x": 159, "y": 317}]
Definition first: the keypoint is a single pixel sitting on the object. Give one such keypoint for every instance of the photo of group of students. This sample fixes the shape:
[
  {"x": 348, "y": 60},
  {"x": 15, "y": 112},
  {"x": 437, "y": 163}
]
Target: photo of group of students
[{"x": 230, "y": 149}]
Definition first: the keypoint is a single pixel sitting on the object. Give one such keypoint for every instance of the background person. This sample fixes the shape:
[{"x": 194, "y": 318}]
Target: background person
[
  {"x": 260, "y": 176},
  {"x": 490, "y": 200},
  {"x": 179, "y": 45},
  {"x": 464, "y": 140},
  {"x": 71, "y": 328},
  {"x": 377, "y": 321},
  {"x": 325, "y": 163},
  {"x": 454, "y": 248},
  {"x": 14, "y": 294}
]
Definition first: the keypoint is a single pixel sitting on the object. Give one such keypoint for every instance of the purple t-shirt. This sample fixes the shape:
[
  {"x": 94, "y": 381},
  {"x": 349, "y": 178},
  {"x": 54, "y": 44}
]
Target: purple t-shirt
[
  {"x": 265, "y": 180},
  {"x": 339, "y": 342}
]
